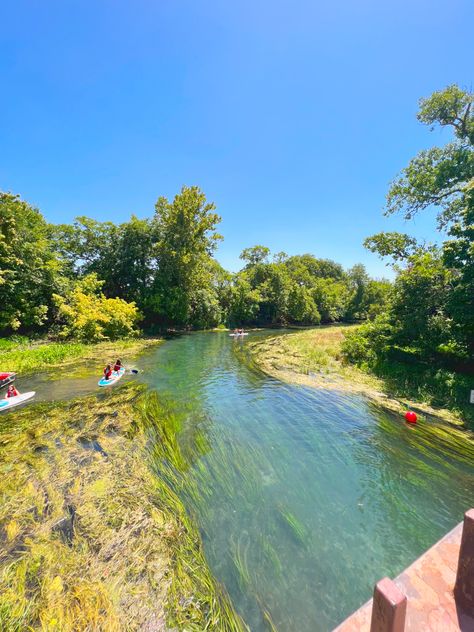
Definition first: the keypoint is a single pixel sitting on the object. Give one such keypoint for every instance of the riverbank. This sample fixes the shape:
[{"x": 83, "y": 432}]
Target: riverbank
[
  {"x": 313, "y": 357},
  {"x": 24, "y": 356},
  {"x": 91, "y": 537}
]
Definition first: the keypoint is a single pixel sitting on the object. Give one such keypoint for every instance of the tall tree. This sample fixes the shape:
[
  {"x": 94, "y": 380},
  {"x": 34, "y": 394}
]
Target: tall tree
[
  {"x": 254, "y": 255},
  {"x": 122, "y": 255},
  {"x": 432, "y": 303},
  {"x": 444, "y": 178},
  {"x": 30, "y": 272},
  {"x": 187, "y": 238},
  {"x": 439, "y": 176}
]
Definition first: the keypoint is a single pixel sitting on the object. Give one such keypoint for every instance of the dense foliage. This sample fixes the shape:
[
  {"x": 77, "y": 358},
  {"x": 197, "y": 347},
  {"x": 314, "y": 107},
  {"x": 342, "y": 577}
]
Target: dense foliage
[
  {"x": 93, "y": 280},
  {"x": 428, "y": 323},
  {"x": 84, "y": 313},
  {"x": 29, "y": 270},
  {"x": 302, "y": 290}
]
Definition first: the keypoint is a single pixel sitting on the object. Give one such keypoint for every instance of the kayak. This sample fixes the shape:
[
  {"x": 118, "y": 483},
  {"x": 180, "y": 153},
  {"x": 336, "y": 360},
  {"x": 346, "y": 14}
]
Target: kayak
[
  {"x": 6, "y": 378},
  {"x": 115, "y": 377},
  {"x": 6, "y": 404},
  {"x": 238, "y": 335}
]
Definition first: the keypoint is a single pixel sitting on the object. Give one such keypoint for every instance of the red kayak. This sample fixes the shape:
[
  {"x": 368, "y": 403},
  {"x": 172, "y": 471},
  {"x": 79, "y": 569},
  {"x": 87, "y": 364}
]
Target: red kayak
[{"x": 6, "y": 378}]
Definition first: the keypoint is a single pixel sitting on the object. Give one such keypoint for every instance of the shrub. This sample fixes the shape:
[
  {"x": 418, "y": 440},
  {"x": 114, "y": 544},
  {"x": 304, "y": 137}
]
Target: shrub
[
  {"x": 87, "y": 315},
  {"x": 368, "y": 342}
]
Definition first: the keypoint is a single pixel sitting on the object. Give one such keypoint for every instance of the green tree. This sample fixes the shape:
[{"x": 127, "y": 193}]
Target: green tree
[
  {"x": 430, "y": 310},
  {"x": 444, "y": 177},
  {"x": 398, "y": 246},
  {"x": 439, "y": 176},
  {"x": 30, "y": 271},
  {"x": 301, "y": 306},
  {"x": 255, "y": 255},
  {"x": 187, "y": 238},
  {"x": 331, "y": 298},
  {"x": 121, "y": 255},
  {"x": 245, "y": 302},
  {"x": 308, "y": 268}
]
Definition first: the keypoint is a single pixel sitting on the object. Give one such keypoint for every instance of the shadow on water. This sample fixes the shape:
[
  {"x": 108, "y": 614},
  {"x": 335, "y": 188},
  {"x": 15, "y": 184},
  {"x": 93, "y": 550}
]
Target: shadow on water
[{"x": 304, "y": 497}]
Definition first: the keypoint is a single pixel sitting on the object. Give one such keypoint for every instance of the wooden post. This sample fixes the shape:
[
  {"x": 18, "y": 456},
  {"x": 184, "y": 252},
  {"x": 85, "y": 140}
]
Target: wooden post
[
  {"x": 389, "y": 608},
  {"x": 464, "y": 587}
]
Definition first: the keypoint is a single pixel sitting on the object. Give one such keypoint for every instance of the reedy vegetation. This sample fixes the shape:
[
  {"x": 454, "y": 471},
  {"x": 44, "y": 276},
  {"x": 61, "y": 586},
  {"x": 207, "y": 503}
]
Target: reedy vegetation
[{"x": 21, "y": 355}]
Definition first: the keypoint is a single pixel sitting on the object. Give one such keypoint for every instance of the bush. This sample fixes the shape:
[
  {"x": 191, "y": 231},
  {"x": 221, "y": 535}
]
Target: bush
[
  {"x": 369, "y": 342},
  {"x": 86, "y": 314}
]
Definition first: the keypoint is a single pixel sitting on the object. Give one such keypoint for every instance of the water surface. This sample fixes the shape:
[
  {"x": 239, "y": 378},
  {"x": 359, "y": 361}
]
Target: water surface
[{"x": 305, "y": 498}]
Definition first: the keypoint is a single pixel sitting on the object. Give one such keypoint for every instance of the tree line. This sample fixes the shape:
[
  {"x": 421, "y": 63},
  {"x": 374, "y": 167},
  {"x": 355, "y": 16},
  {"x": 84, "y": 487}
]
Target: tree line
[
  {"x": 427, "y": 323},
  {"x": 93, "y": 280}
]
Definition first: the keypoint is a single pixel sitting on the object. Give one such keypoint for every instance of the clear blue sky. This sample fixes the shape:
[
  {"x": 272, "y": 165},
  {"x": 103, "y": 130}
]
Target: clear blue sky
[{"x": 292, "y": 116}]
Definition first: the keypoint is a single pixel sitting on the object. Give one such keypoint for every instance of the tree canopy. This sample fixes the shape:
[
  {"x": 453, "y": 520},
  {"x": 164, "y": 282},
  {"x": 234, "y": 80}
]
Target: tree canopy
[
  {"x": 431, "y": 307},
  {"x": 64, "y": 278}
]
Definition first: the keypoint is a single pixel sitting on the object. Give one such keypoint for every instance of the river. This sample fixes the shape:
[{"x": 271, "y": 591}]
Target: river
[{"x": 304, "y": 497}]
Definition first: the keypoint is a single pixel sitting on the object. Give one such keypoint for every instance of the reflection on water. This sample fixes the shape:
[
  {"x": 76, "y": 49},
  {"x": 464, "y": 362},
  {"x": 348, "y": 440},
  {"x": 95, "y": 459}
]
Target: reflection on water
[{"x": 304, "y": 497}]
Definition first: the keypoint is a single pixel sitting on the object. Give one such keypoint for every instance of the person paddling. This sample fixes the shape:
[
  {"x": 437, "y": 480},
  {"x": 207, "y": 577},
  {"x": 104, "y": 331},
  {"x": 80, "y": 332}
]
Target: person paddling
[
  {"x": 12, "y": 392},
  {"x": 107, "y": 372},
  {"x": 117, "y": 366}
]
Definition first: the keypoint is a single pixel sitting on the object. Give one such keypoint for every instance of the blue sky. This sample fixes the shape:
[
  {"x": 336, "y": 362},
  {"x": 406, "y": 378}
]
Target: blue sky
[{"x": 292, "y": 116}]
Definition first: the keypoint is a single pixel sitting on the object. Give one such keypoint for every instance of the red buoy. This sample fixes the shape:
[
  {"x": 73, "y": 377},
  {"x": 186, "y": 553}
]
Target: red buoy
[{"x": 411, "y": 417}]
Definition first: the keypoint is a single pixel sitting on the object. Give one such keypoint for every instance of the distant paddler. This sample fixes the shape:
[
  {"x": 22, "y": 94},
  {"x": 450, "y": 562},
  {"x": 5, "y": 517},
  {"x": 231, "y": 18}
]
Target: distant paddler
[{"x": 238, "y": 333}]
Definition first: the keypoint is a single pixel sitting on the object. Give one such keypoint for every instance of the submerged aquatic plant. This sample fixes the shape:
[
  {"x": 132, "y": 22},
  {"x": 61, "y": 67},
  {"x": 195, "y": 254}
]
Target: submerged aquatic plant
[
  {"x": 294, "y": 526},
  {"x": 93, "y": 539}
]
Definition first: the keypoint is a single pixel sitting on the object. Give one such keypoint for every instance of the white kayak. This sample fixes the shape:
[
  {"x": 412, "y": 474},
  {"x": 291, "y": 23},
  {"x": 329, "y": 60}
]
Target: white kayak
[
  {"x": 238, "y": 335},
  {"x": 115, "y": 377},
  {"x": 6, "y": 404}
]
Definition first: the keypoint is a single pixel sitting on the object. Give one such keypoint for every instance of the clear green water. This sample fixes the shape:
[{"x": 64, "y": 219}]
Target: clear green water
[{"x": 304, "y": 497}]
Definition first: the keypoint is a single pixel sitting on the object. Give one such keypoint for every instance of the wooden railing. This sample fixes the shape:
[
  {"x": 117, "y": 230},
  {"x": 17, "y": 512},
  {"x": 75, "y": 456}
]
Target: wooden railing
[
  {"x": 438, "y": 587},
  {"x": 389, "y": 604}
]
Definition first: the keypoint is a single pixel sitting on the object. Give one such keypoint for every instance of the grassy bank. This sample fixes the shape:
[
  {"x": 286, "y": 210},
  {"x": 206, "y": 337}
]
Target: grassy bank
[
  {"x": 91, "y": 538},
  {"x": 314, "y": 357},
  {"x": 23, "y": 356}
]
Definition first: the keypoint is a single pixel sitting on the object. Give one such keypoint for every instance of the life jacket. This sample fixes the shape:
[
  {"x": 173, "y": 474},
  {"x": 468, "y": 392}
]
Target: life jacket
[{"x": 13, "y": 393}]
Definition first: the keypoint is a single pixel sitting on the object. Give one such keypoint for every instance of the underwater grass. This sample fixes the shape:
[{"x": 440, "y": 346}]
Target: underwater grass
[
  {"x": 204, "y": 606},
  {"x": 294, "y": 526},
  {"x": 91, "y": 538},
  {"x": 20, "y": 355}
]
